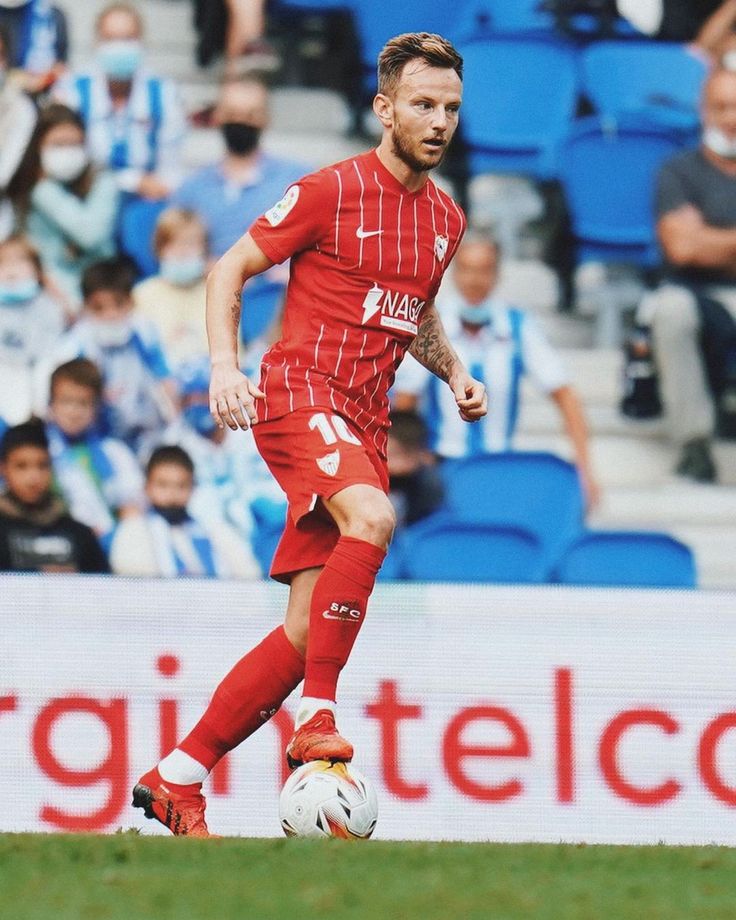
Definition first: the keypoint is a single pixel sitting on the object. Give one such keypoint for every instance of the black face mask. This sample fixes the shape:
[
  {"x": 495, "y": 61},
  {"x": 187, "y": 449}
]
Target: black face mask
[
  {"x": 172, "y": 514},
  {"x": 240, "y": 138}
]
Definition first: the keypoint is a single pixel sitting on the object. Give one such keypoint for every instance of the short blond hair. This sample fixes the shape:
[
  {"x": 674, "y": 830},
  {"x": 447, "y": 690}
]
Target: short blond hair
[
  {"x": 172, "y": 221},
  {"x": 425, "y": 46}
]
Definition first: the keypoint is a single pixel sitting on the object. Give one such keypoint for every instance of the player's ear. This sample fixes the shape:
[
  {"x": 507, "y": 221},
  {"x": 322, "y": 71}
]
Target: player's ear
[{"x": 384, "y": 109}]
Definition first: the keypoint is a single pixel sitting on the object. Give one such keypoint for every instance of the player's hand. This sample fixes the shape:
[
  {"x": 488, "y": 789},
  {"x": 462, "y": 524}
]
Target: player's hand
[
  {"x": 232, "y": 397},
  {"x": 470, "y": 396}
]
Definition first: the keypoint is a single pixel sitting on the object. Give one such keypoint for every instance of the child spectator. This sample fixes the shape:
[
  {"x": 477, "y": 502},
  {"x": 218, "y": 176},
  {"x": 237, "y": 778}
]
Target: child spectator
[
  {"x": 139, "y": 393},
  {"x": 38, "y": 36},
  {"x": 17, "y": 121},
  {"x": 174, "y": 300},
  {"x": 36, "y": 532},
  {"x": 416, "y": 488},
  {"x": 168, "y": 542},
  {"x": 98, "y": 476},
  {"x": 31, "y": 321},
  {"x": 64, "y": 205},
  {"x": 233, "y": 482}
]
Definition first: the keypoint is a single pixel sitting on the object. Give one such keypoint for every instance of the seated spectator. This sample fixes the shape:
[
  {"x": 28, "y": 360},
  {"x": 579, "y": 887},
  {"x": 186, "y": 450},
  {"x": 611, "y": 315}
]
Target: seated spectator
[
  {"x": 38, "y": 35},
  {"x": 31, "y": 322},
  {"x": 693, "y": 314},
  {"x": 139, "y": 392},
  {"x": 236, "y": 27},
  {"x": 36, "y": 532},
  {"x": 62, "y": 202},
  {"x": 135, "y": 119},
  {"x": 232, "y": 481},
  {"x": 228, "y": 196},
  {"x": 98, "y": 476},
  {"x": 415, "y": 484},
  {"x": 174, "y": 300},
  {"x": 17, "y": 120},
  {"x": 498, "y": 343},
  {"x": 168, "y": 542}
]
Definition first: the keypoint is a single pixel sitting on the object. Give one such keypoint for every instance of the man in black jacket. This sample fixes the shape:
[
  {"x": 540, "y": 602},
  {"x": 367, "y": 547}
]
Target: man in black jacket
[{"x": 37, "y": 533}]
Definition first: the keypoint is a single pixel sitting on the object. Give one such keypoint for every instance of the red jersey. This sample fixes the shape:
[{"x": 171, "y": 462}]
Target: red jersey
[{"x": 366, "y": 255}]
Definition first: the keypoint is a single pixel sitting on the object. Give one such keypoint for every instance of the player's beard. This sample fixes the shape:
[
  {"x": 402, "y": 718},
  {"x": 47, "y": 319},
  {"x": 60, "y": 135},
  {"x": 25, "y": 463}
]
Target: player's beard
[{"x": 402, "y": 148}]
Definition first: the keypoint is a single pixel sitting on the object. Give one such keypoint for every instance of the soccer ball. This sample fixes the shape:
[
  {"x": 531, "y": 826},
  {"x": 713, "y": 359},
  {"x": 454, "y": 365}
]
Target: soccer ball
[{"x": 323, "y": 799}]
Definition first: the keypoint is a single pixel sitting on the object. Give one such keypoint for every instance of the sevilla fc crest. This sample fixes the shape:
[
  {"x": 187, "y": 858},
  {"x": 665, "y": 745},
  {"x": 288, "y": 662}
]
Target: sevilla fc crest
[
  {"x": 329, "y": 463},
  {"x": 440, "y": 246}
]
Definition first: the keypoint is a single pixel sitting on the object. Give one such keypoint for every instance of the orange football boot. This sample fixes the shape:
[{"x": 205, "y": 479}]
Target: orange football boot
[
  {"x": 318, "y": 739},
  {"x": 180, "y": 808}
]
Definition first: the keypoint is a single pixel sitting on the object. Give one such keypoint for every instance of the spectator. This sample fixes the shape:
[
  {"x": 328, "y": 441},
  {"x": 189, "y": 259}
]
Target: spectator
[
  {"x": 17, "y": 120},
  {"x": 98, "y": 476},
  {"x": 498, "y": 343},
  {"x": 415, "y": 484},
  {"x": 135, "y": 120},
  {"x": 228, "y": 196},
  {"x": 31, "y": 321},
  {"x": 174, "y": 299},
  {"x": 168, "y": 542},
  {"x": 139, "y": 392},
  {"x": 38, "y": 36},
  {"x": 236, "y": 27},
  {"x": 36, "y": 532},
  {"x": 233, "y": 482},
  {"x": 717, "y": 38},
  {"x": 692, "y": 313},
  {"x": 66, "y": 207}
]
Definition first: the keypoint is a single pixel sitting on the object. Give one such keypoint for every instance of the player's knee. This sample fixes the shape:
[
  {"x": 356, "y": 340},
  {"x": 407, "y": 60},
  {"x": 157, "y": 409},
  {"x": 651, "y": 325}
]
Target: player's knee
[{"x": 374, "y": 523}]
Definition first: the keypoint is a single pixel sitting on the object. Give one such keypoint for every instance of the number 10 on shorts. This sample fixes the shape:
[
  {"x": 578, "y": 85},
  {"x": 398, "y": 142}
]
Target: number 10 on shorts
[{"x": 333, "y": 428}]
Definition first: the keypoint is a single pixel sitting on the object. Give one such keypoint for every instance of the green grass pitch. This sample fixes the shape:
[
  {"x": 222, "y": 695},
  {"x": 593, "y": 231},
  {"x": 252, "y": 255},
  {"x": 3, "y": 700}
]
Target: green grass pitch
[{"x": 132, "y": 877}]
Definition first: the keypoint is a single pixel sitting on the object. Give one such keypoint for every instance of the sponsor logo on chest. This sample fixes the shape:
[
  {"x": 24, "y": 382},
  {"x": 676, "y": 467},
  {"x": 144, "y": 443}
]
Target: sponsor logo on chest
[{"x": 396, "y": 310}]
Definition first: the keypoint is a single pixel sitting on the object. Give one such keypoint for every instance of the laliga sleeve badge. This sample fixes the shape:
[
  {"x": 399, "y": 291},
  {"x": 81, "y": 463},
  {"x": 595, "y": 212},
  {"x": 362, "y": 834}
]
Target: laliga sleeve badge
[
  {"x": 280, "y": 210},
  {"x": 440, "y": 246}
]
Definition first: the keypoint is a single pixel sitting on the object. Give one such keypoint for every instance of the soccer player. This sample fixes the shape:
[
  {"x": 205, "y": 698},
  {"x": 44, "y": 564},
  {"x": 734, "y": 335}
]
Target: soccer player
[{"x": 369, "y": 240}]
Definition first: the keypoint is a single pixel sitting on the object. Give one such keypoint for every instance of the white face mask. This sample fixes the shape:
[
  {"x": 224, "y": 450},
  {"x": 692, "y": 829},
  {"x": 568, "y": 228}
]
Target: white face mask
[
  {"x": 65, "y": 164},
  {"x": 111, "y": 333},
  {"x": 719, "y": 143},
  {"x": 728, "y": 61}
]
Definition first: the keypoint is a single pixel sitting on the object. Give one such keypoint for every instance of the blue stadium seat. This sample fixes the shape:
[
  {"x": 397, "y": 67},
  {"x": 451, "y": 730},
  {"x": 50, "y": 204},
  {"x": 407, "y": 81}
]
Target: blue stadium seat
[
  {"x": 484, "y": 17},
  {"x": 378, "y": 22},
  {"x": 629, "y": 559},
  {"x": 518, "y": 103},
  {"x": 136, "y": 225},
  {"x": 536, "y": 491},
  {"x": 261, "y": 304},
  {"x": 608, "y": 172},
  {"x": 663, "y": 80},
  {"x": 441, "y": 549}
]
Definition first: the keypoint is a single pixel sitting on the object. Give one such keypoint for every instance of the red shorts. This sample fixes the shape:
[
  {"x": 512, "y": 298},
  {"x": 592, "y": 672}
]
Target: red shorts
[{"x": 314, "y": 453}]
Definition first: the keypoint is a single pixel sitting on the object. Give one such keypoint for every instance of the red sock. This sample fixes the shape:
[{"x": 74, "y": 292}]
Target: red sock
[
  {"x": 339, "y": 602},
  {"x": 246, "y": 698}
]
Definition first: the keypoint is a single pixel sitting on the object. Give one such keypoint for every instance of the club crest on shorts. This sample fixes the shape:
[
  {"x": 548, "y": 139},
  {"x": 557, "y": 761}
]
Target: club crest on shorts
[
  {"x": 440, "y": 246},
  {"x": 329, "y": 463},
  {"x": 279, "y": 211}
]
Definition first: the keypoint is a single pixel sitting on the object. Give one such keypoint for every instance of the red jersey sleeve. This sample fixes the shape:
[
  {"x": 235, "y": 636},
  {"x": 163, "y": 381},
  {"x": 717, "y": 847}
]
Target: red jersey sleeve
[{"x": 300, "y": 219}]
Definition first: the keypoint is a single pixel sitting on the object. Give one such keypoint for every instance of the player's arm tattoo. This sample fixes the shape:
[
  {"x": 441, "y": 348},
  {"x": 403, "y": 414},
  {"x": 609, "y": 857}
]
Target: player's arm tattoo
[
  {"x": 431, "y": 347},
  {"x": 235, "y": 306}
]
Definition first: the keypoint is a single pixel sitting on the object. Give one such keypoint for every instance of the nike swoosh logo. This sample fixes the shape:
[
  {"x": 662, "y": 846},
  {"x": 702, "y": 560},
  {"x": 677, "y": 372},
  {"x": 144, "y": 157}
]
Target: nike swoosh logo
[{"x": 362, "y": 234}]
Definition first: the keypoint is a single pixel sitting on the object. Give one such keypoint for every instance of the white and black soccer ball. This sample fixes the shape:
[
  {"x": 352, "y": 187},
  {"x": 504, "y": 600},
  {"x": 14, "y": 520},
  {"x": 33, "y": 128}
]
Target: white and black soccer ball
[{"x": 323, "y": 799}]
